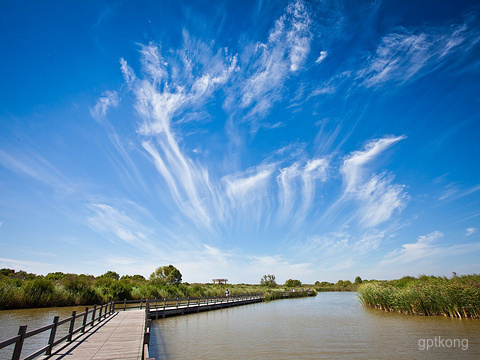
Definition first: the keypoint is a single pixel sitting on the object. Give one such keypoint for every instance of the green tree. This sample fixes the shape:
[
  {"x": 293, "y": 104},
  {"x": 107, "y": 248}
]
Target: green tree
[
  {"x": 111, "y": 275},
  {"x": 167, "y": 275},
  {"x": 358, "y": 280},
  {"x": 55, "y": 276},
  {"x": 292, "y": 283},
  {"x": 6, "y": 272},
  {"x": 268, "y": 280}
]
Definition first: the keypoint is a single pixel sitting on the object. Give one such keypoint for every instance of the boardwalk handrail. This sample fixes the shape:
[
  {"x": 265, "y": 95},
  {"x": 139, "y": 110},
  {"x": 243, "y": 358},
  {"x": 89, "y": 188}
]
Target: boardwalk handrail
[
  {"x": 98, "y": 314},
  {"x": 104, "y": 311},
  {"x": 178, "y": 302}
]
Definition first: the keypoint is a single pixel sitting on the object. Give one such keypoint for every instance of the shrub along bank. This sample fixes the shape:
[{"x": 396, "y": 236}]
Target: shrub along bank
[
  {"x": 458, "y": 296},
  {"x": 25, "y": 290}
]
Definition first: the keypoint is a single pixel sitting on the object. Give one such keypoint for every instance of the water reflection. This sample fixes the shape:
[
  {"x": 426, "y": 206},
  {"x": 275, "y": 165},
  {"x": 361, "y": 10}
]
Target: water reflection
[{"x": 330, "y": 326}]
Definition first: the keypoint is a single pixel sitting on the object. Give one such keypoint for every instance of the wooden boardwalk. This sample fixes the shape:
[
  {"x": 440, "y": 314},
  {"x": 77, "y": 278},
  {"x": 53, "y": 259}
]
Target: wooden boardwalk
[
  {"x": 118, "y": 337},
  {"x": 157, "y": 309},
  {"x": 116, "y": 330}
]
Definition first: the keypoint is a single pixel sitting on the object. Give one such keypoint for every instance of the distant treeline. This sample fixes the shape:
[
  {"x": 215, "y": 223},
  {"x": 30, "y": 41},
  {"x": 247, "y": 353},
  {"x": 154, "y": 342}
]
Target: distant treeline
[
  {"x": 340, "y": 285},
  {"x": 458, "y": 296},
  {"x": 19, "y": 289}
]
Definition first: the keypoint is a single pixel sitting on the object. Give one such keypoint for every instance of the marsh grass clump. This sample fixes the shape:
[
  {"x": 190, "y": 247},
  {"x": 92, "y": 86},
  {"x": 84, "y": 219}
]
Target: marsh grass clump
[{"x": 426, "y": 295}]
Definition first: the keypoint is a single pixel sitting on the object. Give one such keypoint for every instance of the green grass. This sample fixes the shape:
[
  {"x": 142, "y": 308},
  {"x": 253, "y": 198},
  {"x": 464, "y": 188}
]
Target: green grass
[{"x": 426, "y": 295}]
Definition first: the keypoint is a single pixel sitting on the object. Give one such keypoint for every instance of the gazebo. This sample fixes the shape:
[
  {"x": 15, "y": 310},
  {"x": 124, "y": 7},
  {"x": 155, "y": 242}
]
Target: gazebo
[{"x": 220, "y": 281}]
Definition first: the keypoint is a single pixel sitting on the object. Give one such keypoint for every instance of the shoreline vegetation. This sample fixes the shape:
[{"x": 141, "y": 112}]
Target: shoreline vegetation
[
  {"x": 458, "y": 296},
  {"x": 20, "y": 290}
]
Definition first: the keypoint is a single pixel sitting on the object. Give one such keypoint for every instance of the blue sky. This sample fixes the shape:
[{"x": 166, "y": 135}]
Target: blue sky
[{"x": 317, "y": 140}]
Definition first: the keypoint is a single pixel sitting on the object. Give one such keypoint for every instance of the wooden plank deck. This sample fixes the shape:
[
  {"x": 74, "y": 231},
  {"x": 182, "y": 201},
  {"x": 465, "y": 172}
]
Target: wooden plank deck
[
  {"x": 118, "y": 337},
  {"x": 156, "y": 312}
]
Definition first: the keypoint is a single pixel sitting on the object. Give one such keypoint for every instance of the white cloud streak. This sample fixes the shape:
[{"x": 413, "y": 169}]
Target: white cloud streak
[
  {"x": 128, "y": 73},
  {"x": 162, "y": 97},
  {"x": 354, "y": 167},
  {"x": 285, "y": 52},
  {"x": 322, "y": 56},
  {"x": 470, "y": 231},
  {"x": 380, "y": 199},
  {"x": 108, "y": 100},
  {"x": 409, "y": 54},
  {"x": 117, "y": 225},
  {"x": 423, "y": 248},
  {"x": 296, "y": 188}
]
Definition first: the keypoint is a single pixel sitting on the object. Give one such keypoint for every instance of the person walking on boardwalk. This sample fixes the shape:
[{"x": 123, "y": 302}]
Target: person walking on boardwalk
[{"x": 227, "y": 293}]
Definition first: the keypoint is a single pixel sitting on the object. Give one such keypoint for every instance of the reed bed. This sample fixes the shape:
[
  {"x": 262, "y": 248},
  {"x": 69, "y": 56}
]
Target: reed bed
[{"x": 426, "y": 295}]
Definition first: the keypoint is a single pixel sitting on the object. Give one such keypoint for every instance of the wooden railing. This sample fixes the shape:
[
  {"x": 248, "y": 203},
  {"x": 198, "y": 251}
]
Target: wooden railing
[
  {"x": 98, "y": 314},
  {"x": 177, "y": 303},
  {"x": 159, "y": 304},
  {"x": 91, "y": 317}
]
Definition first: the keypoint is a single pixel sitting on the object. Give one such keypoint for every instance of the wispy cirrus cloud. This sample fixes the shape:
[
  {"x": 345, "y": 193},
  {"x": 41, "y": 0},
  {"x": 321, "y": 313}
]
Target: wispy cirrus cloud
[
  {"x": 242, "y": 186},
  {"x": 321, "y": 57},
  {"x": 408, "y": 54},
  {"x": 296, "y": 187},
  {"x": 380, "y": 198},
  {"x": 116, "y": 225},
  {"x": 128, "y": 73},
  {"x": 427, "y": 248},
  {"x": 173, "y": 86},
  {"x": 271, "y": 63},
  {"x": 376, "y": 196},
  {"x": 31, "y": 164},
  {"x": 169, "y": 88},
  {"x": 341, "y": 244},
  {"x": 356, "y": 164},
  {"x": 424, "y": 247},
  {"x": 109, "y": 99},
  {"x": 24, "y": 264},
  {"x": 470, "y": 231}
]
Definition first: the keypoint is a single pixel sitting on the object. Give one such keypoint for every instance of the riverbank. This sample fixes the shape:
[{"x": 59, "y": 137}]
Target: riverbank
[
  {"x": 426, "y": 295},
  {"x": 20, "y": 290}
]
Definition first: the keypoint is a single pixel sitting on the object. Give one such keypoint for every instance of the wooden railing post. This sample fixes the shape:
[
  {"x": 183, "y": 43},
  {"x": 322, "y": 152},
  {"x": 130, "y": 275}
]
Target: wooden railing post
[
  {"x": 100, "y": 314},
  {"x": 19, "y": 344},
  {"x": 141, "y": 304},
  {"x": 72, "y": 326},
  {"x": 188, "y": 302},
  {"x": 51, "y": 340},
  {"x": 124, "y": 304},
  {"x": 177, "y": 303},
  {"x": 106, "y": 310},
  {"x": 93, "y": 314},
  {"x": 146, "y": 337},
  {"x": 85, "y": 320}
]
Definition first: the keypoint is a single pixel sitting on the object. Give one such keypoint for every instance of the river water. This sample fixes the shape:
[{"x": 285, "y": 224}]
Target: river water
[
  {"x": 329, "y": 326},
  {"x": 10, "y": 320}
]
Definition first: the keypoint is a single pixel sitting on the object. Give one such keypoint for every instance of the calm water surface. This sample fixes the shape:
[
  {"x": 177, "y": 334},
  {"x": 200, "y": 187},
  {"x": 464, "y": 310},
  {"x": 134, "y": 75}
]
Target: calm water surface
[
  {"x": 329, "y": 326},
  {"x": 10, "y": 320}
]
